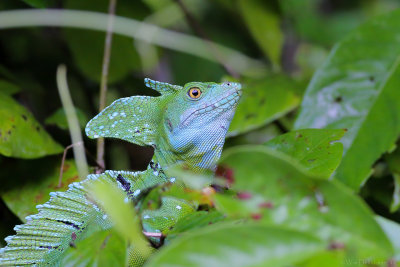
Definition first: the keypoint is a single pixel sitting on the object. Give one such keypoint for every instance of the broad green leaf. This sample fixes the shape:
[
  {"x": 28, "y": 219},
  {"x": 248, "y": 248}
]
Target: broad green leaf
[
  {"x": 257, "y": 136},
  {"x": 238, "y": 245},
  {"x": 122, "y": 214},
  {"x": 316, "y": 149},
  {"x": 357, "y": 89},
  {"x": 284, "y": 194},
  {"x": 87, "y": 47},
  {"x": 21, "y": 136},
  {"x": 332, "y": 258},
  {"x": 392, "y": 231},
  {"x": 58, "y": 118},
  {"x": 264, "y": 25},
  {"x": 23, "y": 200},
  {"x": 262, "y": 102},
  {"x": 104, "y": 248},
  {"x": 236, "y": 209},
  {"x": 194, "y": 221},
  {"x": 8, "y": 88}
]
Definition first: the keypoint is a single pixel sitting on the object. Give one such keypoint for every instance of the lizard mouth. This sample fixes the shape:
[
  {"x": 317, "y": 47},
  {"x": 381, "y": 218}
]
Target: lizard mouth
[{"x": 227, "y": 101}]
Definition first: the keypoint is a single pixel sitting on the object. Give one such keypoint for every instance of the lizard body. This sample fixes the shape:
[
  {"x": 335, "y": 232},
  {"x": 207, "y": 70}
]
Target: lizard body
[{"x": 184, "y": 124}]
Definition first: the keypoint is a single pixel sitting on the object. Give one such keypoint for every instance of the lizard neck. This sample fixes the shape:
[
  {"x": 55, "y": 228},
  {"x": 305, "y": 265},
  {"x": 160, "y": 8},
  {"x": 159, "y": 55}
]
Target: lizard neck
[{"x": 199, "y": 146}]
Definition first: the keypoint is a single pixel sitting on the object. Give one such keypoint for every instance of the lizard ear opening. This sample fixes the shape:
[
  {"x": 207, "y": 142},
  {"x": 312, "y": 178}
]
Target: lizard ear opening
[
  {"x": 161, "y": 87},
  {"x": 134, "y": 119}
]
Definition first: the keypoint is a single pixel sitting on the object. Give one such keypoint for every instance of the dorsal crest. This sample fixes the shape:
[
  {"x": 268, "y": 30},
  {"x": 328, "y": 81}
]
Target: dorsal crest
[
  {"x": 161, "y": 87},
  {"x": 134, "y": 119}
]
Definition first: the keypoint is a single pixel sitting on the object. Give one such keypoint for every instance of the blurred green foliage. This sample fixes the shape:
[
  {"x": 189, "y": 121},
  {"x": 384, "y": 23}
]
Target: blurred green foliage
[{"x": 295, "y": 196}]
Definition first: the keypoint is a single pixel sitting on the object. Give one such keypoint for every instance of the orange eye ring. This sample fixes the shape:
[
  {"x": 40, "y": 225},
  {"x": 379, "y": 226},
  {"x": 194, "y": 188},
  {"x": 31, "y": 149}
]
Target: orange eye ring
[{"x": 194, "y": 93}]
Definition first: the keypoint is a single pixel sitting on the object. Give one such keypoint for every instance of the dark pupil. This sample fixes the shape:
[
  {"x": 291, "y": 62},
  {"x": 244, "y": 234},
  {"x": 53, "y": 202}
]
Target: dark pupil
[{"x": 195, "y": 92}]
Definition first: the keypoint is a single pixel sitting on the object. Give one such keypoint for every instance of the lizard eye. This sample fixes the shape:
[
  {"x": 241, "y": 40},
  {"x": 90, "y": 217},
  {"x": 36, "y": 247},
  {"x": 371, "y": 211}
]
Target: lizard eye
[{"x": 194, "y": 93}]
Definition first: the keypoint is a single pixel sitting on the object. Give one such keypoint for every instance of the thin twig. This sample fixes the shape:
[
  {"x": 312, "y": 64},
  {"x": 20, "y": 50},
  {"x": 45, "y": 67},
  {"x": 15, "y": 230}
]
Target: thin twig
[
  {"x": 72, "y": 119},
  {"x": 64, "y": 157},
  {"x": 104, "y": 77},
  {"x": 202, "y": 34},
  {"x": 62, "y": 162}
]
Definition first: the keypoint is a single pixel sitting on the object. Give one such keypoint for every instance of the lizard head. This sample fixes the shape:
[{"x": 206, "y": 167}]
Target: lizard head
[
  {"x": 196, "y": 119},
  {"x": 199, "y": 104}
]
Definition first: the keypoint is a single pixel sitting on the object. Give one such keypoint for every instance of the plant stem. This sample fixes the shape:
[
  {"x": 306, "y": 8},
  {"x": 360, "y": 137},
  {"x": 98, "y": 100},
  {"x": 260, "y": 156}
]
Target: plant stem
[
  {"x": 185, "y": 43},
  {"x": 73, "y": 124},
  {"x": 104, "y": 78}
]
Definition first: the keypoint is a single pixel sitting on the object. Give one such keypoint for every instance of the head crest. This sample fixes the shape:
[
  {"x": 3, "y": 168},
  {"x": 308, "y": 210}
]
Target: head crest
[{"x": 161, "y": 87}]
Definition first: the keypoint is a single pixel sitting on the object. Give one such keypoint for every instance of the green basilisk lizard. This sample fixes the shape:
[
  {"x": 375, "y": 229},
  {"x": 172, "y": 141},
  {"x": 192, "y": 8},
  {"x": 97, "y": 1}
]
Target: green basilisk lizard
[{"x": 184, "y": 125}]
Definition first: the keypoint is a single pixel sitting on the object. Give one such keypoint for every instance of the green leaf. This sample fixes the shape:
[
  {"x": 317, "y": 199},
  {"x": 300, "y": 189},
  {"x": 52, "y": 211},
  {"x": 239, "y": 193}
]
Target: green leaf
[
  {"x": 331, "y": 258},
  {"x": 58, "y": 118},
  {"x": 316, "y": 149},
  {"x": 104, "y": 248},
  {"x": 357, "y": 89},
  {"x": 259, "y": 104},
  {"x": 122, "y": 214},
  {"x": 236, "y": 209},
  {"x": 23, "y": 200},
  {"x": 21, "y": 136},
  {"x": 194, "y": 221},
  {"x": 284, "y": 194},
  {"x": 264, "y": 25},
  {"x": 8, "y": 88},
  {"x": 238, "y": 245},
  {"x": 392, "y": 231}
]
